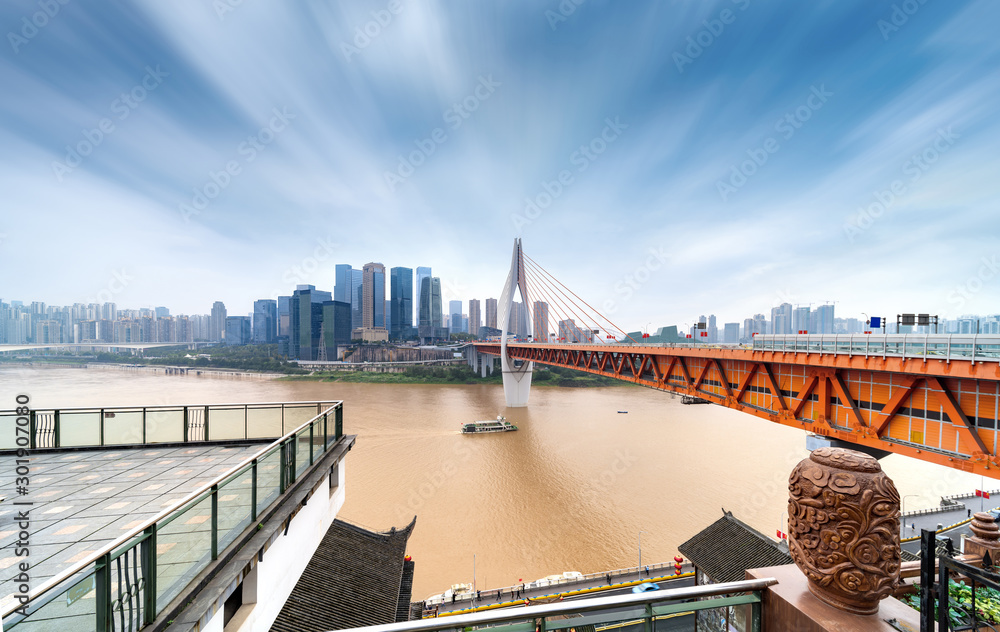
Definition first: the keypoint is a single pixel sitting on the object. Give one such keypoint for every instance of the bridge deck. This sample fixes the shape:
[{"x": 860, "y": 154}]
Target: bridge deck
[{"x": 939, "y": 409}]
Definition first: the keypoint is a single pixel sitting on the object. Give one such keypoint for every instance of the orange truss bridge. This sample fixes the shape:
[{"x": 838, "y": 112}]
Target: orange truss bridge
[{"x": 935, "y": 398}]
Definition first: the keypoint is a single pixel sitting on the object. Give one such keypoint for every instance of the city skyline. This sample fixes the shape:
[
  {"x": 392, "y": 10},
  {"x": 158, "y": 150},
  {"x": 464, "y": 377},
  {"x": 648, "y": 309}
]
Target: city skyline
[{"x": 202, "y": 157}]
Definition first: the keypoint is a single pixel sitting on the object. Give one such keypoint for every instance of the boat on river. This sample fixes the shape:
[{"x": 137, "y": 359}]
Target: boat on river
[{"x": 477, "y": 427}]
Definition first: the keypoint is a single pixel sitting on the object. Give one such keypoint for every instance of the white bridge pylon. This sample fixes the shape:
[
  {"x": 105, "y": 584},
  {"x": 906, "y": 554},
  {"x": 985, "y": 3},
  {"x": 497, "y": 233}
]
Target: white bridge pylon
[{"x": 516, "y": 378}]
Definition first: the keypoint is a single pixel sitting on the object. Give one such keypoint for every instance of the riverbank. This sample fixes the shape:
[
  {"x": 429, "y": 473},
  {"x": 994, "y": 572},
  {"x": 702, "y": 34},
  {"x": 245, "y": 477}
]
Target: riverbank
[{"x": 462, "y": 374}]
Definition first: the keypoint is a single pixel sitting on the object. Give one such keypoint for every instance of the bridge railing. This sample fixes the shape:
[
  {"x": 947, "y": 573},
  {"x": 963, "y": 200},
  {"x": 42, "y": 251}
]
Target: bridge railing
[
  {"x": 974, "y": 347},
  {"x": 95, "y": 426},
  {"x": 126, "y": 584}
]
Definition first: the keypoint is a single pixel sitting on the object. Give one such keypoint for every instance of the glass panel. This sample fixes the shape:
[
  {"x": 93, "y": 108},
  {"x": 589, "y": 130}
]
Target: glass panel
[
  {"x": 226, "y": 423},
  {"x": 164, "y": 425},
  {"x": 295, "y": 416},
  {"x": 8, "y": 438},
  {"x": 264, "y": 423},
  {"x": 318, "y": 436},
  {"x": 183, "y": 549},
  {"x": 122, "y": 427},
  {"x": 234, "y": 508},
  {"x": 268, "y": 479},
  {"x": 72, "y": 609},
  {"x": 301, "y": 452},
  {"x": 80, "y": 428}
]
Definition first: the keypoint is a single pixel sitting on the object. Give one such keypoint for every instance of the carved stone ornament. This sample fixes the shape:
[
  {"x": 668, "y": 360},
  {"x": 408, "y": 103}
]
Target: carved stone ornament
[{"x": 843, "y": 528}]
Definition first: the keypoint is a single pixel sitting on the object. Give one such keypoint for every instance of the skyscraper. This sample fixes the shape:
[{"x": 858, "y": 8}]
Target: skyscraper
[
  {"x": 373, "y": 305},
  {"x": 343, "y": 282},
  {"x": 356, "y": 298},
  {"x": 265, "y": 321},
  {"x": 824, "y": 319},
  {"x": 800, "y": 319},
  {"x": 336, "y": 329},
  {"x": 218, "y": 326},
  {"x": 400, "y": 303},
  {"x": 430, "y": 310},
  {"x": 540, "y": 324},
  {"x": 491, "y": 313},
  {"x": 474, "y": 317},
  {"x": 306, "y": 322},
  {"x": 422, "y": 273}
]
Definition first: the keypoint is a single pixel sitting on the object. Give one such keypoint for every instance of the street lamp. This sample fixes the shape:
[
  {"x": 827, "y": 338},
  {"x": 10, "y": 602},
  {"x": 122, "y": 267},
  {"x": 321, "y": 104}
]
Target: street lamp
[
  {"x": 640, "y": 553},
  {"x": 902, "y": 503}
]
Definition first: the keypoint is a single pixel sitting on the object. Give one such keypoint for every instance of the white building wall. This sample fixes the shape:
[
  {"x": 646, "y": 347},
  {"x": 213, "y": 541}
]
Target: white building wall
[{"x": 284, "y": 562}]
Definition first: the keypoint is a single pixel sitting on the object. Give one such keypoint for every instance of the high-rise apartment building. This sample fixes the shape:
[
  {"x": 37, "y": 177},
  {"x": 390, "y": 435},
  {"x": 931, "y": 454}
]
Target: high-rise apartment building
[
  {"x": 824, "y": 319},
  {"x": 781, "y": 319},
  {"x": 800, "y": 319},
  {"x": 474, "y": 317},
  {"x": 217, "y": 326},
  {"x": 731, "y": 333},
  {"x": 540, "y": 323},
  {"x": 400, "y": 303},
  {"x": 491, "y": 313},
  {"x": 237, "y": 330}
]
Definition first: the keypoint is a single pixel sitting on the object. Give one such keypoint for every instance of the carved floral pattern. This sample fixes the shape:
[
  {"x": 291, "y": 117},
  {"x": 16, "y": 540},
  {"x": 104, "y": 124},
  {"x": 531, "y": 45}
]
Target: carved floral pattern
[{"x": 843, "y": 524}]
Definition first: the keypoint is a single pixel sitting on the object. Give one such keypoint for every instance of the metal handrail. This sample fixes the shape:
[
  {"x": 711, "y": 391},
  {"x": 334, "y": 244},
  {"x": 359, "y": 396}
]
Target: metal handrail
[
  {"x": 184, "y": 504},
  {"x": 569, "y": 607},
  {"x": 170, "y": 406}
]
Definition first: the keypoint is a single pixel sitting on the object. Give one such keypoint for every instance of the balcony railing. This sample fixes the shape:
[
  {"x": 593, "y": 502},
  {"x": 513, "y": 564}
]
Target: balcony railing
[
  {"x": 140, "y": 425},
  {"x": 640, "y": 612},
  {"x": 124, "y": 586}
]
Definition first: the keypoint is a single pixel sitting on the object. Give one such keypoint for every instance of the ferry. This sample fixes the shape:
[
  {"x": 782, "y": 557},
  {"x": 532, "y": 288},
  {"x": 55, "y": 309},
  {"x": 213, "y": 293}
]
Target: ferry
[{"x": 500, "y": 425}]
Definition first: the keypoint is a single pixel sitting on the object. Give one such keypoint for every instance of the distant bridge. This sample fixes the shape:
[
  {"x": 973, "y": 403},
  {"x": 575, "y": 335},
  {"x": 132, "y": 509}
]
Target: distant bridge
[
  {"x": 931, "y": 397},
  {"x": 103, "y": 346}
]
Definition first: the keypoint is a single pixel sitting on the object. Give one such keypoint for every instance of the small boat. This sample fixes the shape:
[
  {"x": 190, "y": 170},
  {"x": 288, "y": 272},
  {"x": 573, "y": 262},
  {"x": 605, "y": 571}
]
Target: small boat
[
  {"x": 622, "y": 412},
  {"x": 500, "y": 425}
]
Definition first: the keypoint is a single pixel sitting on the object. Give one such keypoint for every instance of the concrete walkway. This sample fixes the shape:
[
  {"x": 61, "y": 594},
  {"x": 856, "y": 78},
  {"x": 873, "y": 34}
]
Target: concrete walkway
[{"x": 952, "y": 518}]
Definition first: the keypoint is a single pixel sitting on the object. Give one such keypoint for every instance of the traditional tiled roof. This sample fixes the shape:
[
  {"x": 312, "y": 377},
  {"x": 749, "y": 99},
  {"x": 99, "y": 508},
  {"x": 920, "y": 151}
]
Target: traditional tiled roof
[
  {"x": 727, "y": 547},
  {"x": 356, "y": 578}
]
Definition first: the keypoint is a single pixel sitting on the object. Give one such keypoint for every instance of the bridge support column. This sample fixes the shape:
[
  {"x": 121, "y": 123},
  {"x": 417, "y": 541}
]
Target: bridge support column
[{"x": 516, "y": 378}]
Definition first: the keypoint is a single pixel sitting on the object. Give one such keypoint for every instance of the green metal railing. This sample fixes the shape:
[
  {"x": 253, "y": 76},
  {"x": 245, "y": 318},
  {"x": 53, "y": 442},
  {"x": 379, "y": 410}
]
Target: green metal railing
[
  {"x": 125, "y": 585},
  {"x": 139, "y": 425},
  {"x": 641, "y": 612}
]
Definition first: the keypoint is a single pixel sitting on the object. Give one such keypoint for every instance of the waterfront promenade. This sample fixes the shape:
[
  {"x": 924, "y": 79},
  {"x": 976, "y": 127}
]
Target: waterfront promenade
[{"x": 610, "y": 582}]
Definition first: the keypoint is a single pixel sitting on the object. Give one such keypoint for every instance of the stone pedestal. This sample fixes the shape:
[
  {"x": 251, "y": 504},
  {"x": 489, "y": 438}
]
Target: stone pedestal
[{"x": 790, "y": 605}]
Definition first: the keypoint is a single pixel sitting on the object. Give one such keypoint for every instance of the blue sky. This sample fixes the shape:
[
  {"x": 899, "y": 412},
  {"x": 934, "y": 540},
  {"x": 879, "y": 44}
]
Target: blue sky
[{"x": 716, "y": 157}]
